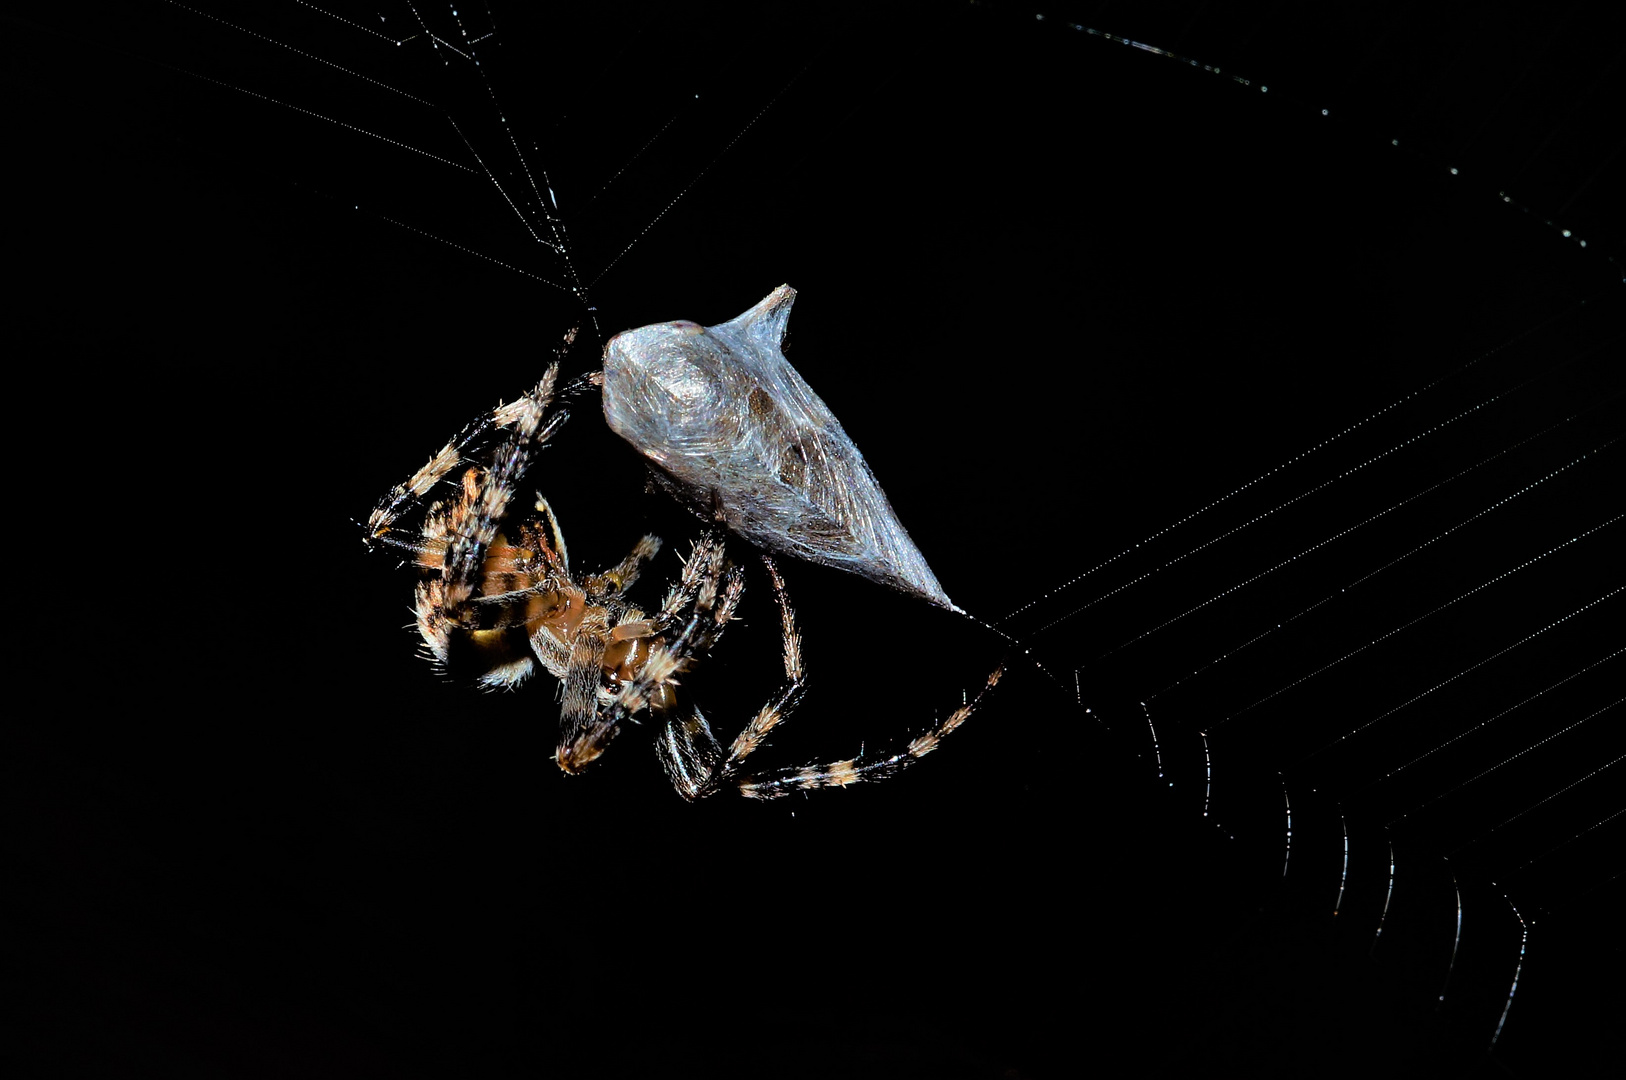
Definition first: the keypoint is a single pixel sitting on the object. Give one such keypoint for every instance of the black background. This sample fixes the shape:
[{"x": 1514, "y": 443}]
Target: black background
[{"x": 1062, "y": 292}]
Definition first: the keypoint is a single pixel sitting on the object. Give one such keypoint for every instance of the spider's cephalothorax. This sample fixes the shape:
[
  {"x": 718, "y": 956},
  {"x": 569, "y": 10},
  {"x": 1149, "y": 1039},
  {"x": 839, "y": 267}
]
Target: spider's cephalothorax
[{"x": 497, "y": 597}]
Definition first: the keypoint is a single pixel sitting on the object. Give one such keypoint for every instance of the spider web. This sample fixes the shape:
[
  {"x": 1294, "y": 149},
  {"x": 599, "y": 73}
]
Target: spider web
[{"x": 1285, "y": 447}]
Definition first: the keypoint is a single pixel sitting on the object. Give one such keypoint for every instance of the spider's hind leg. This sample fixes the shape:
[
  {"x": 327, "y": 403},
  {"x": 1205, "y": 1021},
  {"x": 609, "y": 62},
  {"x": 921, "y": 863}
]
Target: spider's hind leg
[
  {"x": 694, "y": 761},
  {"x": 689, "y": 753},
  {"x": 866, "y": 767}
]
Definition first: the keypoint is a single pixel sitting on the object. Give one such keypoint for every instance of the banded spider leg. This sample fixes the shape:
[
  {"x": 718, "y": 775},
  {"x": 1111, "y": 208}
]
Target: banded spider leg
[{"x": 698, "y": 765}]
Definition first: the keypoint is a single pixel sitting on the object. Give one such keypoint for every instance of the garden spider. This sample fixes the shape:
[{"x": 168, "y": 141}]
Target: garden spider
[{"x": 497, "y": 594}]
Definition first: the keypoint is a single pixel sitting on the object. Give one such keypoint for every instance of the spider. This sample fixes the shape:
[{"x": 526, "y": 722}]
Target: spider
[{"x": 497, "y": 593}]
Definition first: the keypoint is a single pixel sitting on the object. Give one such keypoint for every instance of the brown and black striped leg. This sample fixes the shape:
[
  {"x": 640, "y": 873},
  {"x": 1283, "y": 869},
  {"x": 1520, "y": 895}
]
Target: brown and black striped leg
[
  {"x": 467, "y": 447},
  {"x": 697, "y": 585},
  {"x": 465, "y": 531},
  {"x": 408, "y": 497},
  {"x": 783, "y": 703},
  {"x": 866, "y": 767},
  {"x": 690, "y": 753}
]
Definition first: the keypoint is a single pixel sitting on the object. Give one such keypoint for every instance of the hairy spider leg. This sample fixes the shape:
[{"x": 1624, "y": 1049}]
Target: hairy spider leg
[
  {"x": 697, "y": 766},
  {"x": 789, "y": 696},
  {"x": 465, "y": 531},
  {"x": 579, "y": 710},
  {"x": 690, "y": 753},
  {"x": 866, "y": 767},
  {"x": 700, "y": 572},
  {"x": 409, "y": 496}
]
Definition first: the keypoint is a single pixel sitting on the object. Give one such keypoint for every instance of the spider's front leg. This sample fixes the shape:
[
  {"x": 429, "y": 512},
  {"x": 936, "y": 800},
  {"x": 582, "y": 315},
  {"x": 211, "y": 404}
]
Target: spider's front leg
[
  {"x": 457, "y": 537},
  {"x": 466, "y": 447}
]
